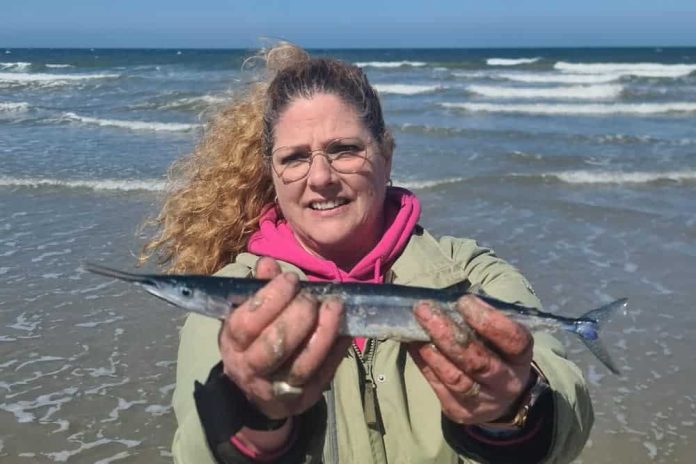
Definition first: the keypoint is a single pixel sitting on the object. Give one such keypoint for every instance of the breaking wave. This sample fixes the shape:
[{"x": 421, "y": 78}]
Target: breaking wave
[
  {"x": 427, "y": 184},
  {"x": 16, "y": 66},
  {"x": 577, "y": 109},
  {"x": 194, "y": 103},
  {"x": 13, "y": 107},
  {"x": 633, "y": 69},
  {"x": 591, "y": 92},
  {"x": 49, "y": 80},
  {"x": 132, "y": 125},
  {"x": 510, "y": 61},
  {"x": 547, "y": 78},
  {"x": 125, "y": 185},
  {"x": 609, "y": 177},
  {"x": 406, "y": 89},
  {"x": 390, "y": 64}
]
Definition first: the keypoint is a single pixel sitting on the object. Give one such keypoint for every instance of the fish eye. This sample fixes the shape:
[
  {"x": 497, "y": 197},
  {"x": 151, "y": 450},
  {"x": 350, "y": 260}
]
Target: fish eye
[{"x": 185, "y": 291}]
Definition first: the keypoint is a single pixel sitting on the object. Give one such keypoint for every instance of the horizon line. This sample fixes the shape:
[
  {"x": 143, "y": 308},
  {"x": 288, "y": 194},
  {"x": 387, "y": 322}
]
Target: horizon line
[{"x": 504, "y": 47}]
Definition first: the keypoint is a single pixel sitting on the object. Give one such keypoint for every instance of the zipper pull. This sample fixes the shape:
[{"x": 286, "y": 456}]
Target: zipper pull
[{"x": 370, "y": 403}]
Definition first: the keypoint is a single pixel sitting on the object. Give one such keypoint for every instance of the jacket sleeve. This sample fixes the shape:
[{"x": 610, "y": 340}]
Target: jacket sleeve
[
  {"x": 198, "y": 353},
  {"x": 571, "y": 408}
]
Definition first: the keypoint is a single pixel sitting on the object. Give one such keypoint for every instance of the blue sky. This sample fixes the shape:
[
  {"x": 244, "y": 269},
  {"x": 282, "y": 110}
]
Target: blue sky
[{"x": 352, "y": 23}]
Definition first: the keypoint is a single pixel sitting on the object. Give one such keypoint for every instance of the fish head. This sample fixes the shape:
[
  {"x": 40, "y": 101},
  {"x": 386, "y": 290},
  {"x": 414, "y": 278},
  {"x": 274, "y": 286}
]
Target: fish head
[
  {"x": 176, "y": 292},
  {"x": 181, "y": 291}
]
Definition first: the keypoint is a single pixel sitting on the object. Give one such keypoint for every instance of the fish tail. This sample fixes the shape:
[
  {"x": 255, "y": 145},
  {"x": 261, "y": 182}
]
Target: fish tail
[{"x": 587, "y": 327}]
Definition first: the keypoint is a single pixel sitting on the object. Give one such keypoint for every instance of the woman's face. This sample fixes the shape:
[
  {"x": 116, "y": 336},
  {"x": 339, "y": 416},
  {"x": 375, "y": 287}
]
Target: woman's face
[{"x": 336, "y": 216}]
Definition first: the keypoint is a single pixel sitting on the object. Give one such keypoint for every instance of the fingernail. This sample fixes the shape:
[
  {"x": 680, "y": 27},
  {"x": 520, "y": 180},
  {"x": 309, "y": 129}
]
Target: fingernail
[
  {"x": 254, "y": 302},
  {"x": 331, "y": 304},
  {"x": 469, "y": 306},
  {"x": 291, "y": 277}
]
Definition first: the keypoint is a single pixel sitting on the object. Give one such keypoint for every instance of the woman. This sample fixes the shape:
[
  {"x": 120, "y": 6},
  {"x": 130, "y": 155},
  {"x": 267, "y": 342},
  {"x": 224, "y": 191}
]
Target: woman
[{"x": 292, "y": 182}]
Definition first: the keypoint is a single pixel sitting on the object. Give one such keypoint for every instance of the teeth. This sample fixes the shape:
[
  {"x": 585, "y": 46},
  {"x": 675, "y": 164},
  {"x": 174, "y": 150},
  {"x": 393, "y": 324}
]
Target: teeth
[{"x": 330, "y": 204}]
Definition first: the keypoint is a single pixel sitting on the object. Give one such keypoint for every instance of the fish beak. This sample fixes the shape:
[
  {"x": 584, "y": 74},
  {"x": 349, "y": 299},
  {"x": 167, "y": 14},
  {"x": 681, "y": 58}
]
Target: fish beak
[
  {"x": 156, "y": 285},
  {"x": 143, "y": 280}
]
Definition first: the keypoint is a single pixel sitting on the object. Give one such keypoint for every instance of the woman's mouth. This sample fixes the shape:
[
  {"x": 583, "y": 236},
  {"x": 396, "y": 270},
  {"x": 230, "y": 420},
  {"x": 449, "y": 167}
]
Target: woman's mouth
[{"x": 327, "y": 204}]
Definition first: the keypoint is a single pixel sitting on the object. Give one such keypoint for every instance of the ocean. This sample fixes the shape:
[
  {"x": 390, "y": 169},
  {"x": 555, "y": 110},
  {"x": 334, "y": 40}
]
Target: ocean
[{"x": 576, "y": 165}]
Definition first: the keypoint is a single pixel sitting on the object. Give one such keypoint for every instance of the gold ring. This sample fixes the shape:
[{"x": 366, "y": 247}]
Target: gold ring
[{"x": 473, "y": 391}]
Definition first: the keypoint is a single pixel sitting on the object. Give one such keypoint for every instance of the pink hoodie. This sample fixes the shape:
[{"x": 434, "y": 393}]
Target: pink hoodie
[{"x": 276, "y": 239}]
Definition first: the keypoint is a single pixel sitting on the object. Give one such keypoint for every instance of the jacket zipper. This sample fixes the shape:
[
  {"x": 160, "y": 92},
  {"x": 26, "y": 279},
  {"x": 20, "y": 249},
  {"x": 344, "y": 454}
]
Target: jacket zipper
[{"x": 370, "y": 395}]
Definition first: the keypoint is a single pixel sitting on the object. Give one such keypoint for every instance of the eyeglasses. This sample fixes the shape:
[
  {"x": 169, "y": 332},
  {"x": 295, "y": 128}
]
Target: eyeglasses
[{"x": 345, "y": 156}]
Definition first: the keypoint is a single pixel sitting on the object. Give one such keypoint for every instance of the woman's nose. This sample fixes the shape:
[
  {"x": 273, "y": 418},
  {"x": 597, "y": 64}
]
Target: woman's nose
[{"x": 320, "y": 171}]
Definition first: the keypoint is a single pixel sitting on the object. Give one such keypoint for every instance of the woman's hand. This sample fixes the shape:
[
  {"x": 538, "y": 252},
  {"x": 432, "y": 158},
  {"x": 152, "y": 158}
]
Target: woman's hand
[
  {"x": 477, "y": 376},
  {"x": 282, "y": 334}
]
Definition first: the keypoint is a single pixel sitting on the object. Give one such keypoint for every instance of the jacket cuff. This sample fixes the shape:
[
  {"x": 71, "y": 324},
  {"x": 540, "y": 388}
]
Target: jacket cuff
[
  {"x": 531, "y": 445},
  {"x": 223, "y": 410}
]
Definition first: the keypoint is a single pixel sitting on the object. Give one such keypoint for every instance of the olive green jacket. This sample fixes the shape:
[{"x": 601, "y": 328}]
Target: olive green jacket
[{"x": 397, "y": 396}]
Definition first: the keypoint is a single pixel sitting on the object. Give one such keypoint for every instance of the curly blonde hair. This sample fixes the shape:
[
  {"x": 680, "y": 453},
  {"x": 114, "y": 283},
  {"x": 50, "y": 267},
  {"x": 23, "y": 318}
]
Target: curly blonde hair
[{"x": 217, "y": 194}]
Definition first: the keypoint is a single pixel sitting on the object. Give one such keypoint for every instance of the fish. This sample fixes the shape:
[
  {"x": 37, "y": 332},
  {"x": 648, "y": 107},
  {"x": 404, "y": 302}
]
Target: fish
[{"x": 378, "y": 311}]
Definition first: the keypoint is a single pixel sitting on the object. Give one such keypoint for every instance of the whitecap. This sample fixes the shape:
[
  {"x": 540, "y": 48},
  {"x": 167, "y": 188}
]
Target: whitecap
[
  {"x": 590, "y": 92},
  {"x": 426, "y": 184},
  {"x": 634, "y": 69},
  {"x": 132, "y": 125},
  {"x": 16, "y": 66},
  {"x": 510, "y": 61},
  {"x": 390, "y": 64},
  {"x": 405, "y": 89},
  {"x": 549, "y": 78},
  {"x": 195, "y": 102},
  {"x": 13, "y": 107},
  {"x": 611, "y": 177},
  {"x": 578, "y": 109},
  {"x": 49, "y": 80},
  {"x": 126, "y": 185},
  {"x": 59, "y": 66}
]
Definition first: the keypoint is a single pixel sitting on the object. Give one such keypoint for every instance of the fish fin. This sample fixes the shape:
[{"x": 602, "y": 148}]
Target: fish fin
[
  {"x": 597, "y": 348},
  {"x": 606, "y": 312},
  {"x": 597, "y": 317}
]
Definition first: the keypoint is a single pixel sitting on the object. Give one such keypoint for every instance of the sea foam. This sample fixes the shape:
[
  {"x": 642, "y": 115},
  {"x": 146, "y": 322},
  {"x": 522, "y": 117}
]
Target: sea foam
[
  {"x": 633, "y": 69},
  {"x": 609, "y": 177},
  {"x": 578, "y": 109},
  {"x": 126, "y": 185},
  {"x": 510, "y": 61},
  {"x": 405, "y": 89},
  {"x": 48, "y": 80},
  {"x": 132, "y": 125},
  {"x": 426, "y": 184},
  {"x": 200, "y": 102},
  {"x": 390, "y": 64},
  {"x": 548, "y": 78},
  {"x": 13, "y": 107},
  {"x": 16, "y": 66},
  {"x": 591, "y": 92}
]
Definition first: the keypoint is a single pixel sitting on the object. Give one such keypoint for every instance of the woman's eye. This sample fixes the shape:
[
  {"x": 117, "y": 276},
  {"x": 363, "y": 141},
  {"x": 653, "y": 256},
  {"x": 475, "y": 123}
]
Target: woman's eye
[
  {"x": 294, "y": 158},
  {"x": 341, "y": 149}
]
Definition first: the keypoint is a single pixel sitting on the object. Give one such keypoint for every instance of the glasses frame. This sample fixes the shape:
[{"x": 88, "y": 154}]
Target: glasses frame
[{"x": 322, "y": 152}]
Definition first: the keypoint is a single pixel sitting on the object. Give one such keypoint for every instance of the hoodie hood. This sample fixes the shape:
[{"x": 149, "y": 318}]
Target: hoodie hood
[{"x": 276, "y": 240}]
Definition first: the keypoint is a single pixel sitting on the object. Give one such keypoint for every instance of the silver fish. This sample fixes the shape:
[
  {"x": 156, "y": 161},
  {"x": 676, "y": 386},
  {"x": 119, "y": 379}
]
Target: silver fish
[{"x": 371, "y": 310}]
